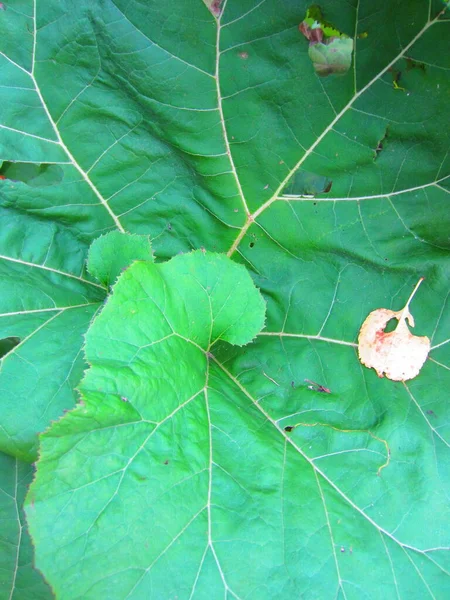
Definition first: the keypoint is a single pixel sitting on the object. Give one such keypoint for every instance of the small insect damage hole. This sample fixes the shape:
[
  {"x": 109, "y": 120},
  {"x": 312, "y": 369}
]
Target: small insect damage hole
[
  {"x": 381, "y": 144},
  {"x": 317, "y": 387},
  {"x": 414, "y": 64},
  {"x": 391, "y": 326},
  {"x": 305, "y": 184},
  {"x": 8, "y": 344},
  {"x": 251, "y": 244},
  {"x": 396, "y": 77},
  {"x": 329, "y": 49},
  {"x": 289, "y": 428}
]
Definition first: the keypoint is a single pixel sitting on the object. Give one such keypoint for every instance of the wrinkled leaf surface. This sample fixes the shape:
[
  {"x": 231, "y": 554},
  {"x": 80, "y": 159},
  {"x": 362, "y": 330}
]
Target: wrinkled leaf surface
[{"x": 191, "y": 125}]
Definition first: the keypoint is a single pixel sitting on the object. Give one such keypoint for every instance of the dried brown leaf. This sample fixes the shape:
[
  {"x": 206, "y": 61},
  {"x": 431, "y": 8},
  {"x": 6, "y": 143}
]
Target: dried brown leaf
[{"x": 398, "y": 354}]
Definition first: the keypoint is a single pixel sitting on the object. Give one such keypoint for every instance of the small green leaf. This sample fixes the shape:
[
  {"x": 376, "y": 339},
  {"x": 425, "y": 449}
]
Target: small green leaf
[
  {"x": 329, "y": 50},
  {"x": 110, "y": 254},
  {"x": 334, "y": 57}
]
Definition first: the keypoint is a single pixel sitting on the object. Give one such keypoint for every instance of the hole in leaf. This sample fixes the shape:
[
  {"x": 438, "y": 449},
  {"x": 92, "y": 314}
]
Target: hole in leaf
[
  {"x": 396, "y": 76},
  {"x": 381, "y": 144},
  {"x": 7, "y": 344},
  {"x": 391, "y": 325},
  {"x": 251, "y": 244},
  {"x": 305, "y": 183},
  {"x": 289, "y": 428},
  {"x": 330, "y": 50},
  {"x": 33, "y": 175},
  {"x": 414, "y": 64}
]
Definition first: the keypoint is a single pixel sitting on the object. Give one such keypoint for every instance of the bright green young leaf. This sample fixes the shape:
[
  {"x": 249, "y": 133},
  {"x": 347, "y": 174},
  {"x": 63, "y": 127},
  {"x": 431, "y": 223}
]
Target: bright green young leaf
[
  {"x": 151, "y": 385},
  {"x": 204, "y": 124},
  {"x": 18, "y": 578},
  {"x": 110, "y": 254}
]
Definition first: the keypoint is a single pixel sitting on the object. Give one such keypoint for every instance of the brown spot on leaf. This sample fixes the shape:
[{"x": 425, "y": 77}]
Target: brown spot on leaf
[
  {"x": 214, "y": 6},
  {"x": 414, "y": 64},
  {"x": 314, "y": 36},
  {"x": 381, "y": 144}
]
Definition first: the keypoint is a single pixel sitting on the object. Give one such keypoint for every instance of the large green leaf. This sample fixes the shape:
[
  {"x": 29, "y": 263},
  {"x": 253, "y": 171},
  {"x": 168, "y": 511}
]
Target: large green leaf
[
  {"x": 18, "y": 579},
  {"x": 211, "y": 128},
  {"x": 150, "y": 386}
]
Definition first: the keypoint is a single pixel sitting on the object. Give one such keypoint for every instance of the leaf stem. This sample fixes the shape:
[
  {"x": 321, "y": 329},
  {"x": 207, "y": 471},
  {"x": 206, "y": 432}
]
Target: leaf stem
[
  {"x": 414, "y": 291},
  {"x": 405, "y": 312}
]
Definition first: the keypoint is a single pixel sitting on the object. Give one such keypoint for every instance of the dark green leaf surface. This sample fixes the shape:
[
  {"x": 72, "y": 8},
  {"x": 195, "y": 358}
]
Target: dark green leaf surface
[
  {"x": 18, "y": 579},
  {"x": 210, "y": 128}
]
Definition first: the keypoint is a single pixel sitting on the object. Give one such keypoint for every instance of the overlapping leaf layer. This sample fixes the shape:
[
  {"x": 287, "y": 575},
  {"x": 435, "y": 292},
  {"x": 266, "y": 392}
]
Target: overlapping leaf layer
[{"x": 209, "y": 128}]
